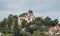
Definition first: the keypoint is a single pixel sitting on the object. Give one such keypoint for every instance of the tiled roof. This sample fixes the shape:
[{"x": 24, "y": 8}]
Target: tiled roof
[{"x": 56, "y": 28}]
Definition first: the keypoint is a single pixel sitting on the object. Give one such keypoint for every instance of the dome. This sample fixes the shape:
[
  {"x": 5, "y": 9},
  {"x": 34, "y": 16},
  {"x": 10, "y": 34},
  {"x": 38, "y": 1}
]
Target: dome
[{"x": 30, "y": 11}]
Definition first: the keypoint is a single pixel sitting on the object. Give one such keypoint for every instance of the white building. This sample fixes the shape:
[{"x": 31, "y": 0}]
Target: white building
[{"x": 29, "y": 17}]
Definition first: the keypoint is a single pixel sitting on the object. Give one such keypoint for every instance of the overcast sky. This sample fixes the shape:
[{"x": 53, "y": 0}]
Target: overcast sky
[{"x": 43, "y": 8}]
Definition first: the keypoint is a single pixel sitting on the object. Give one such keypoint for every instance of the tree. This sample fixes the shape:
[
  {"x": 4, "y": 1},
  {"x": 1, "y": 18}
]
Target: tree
[
  {"x": 16, "y": 27},
  {"x": 55, "y": 21},
  {"x": 38, "y": 33},
  {"x": 10, "y": 20},
  {"x": 47, "y": 21},
  {"x": 39, "y": 20},
  {"x": 4, "y": 25},
  {"x": 16, "y": 30},
  {"x": 23, "y": 15},
  {"x": 25, "y": 33},
  {"x": 24, "y": 23}
]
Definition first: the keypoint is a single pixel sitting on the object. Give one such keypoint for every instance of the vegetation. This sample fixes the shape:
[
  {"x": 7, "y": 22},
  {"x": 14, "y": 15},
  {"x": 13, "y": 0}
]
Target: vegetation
[{"x": 9, "y": 26}]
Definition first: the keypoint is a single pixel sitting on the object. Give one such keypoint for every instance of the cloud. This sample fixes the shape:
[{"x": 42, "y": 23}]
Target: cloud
[{"x": 40, "y": 7}]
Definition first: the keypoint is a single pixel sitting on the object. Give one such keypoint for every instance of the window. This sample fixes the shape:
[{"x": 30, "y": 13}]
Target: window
[
  {"x": 28, "y": 18},
  {"x": 20, "y": 19}
]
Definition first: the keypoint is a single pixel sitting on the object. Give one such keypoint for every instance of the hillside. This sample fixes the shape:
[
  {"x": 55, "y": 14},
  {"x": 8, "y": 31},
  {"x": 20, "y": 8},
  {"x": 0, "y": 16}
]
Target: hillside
[{"x": 9, "y": 26}]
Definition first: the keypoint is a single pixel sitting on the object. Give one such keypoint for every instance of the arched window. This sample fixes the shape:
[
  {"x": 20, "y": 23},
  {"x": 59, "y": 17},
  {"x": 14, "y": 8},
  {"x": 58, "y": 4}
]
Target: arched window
[
  {"x": 29, "y": 19},
  {"x": 20, "y": 19}
]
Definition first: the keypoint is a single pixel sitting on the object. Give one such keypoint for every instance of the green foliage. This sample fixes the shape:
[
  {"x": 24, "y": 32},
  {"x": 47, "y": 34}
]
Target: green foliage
[
  {"x": 24, "y": 23},
  {"x": 9, "y": 26},
  {"x": 25, "y": 33},
  {"x": 16, "y": 30},
  {"x": 23, "y": 15},
  {"x": 38, "y": 33},
  {"x": 49, "y": 22}
]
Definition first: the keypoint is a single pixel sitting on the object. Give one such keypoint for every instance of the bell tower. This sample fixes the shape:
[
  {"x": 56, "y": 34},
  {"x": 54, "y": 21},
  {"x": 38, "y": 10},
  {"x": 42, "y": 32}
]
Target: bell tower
[
  {"x": 30, "y": 16},
  {"x": 30, "y": 13}
]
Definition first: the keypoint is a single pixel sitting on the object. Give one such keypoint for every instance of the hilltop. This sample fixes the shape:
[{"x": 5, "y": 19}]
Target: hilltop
[{"x": 39, "y": 26}]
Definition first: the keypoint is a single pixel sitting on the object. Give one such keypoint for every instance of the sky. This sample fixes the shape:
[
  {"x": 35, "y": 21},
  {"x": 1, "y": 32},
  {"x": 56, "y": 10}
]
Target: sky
[{"x": 40, "y": 8}]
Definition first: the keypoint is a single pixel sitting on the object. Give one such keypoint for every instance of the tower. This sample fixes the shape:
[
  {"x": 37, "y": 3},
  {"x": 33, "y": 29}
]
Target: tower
[
  {"x": 30, "y": 16},
  {"x": 30, "y": 13}
]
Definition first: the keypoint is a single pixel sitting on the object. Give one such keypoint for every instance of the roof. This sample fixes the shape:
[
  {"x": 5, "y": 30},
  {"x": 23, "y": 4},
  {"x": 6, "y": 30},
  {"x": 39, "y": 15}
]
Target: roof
[
  {"x": 57, "y": 27},
  {"x": 30, "y": 11}
]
